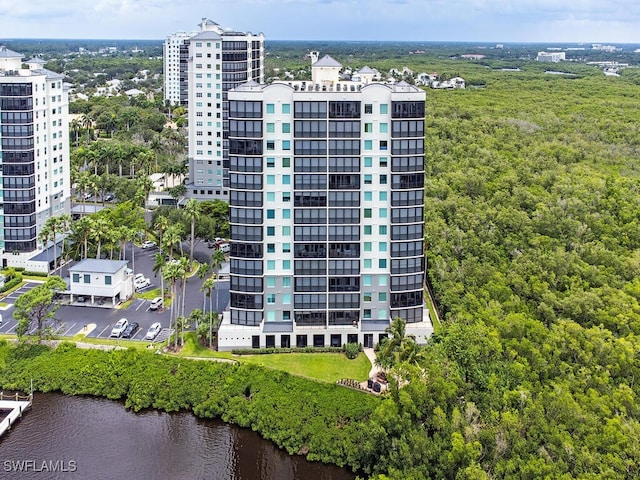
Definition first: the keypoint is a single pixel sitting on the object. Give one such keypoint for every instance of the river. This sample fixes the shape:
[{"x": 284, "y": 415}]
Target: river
[{"x": 97, "y": 439}]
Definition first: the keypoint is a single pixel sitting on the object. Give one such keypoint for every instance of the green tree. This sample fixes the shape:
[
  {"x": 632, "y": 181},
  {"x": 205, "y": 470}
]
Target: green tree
[
  {"x": 33, "y": 308},
  {"x": 192, "y": 210}
]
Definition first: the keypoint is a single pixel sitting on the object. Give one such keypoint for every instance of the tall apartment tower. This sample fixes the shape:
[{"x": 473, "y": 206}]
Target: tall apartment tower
[
  {"x": 175, "y": 68},
  {"x": 34, "y": 154},
  {"x": 326, "y": 212},
  {"x": 211, "y": 62}
]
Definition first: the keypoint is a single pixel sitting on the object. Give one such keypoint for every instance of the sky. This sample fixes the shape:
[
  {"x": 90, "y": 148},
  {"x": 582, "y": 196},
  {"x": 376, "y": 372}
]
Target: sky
[{"x": 588, "y": 21}]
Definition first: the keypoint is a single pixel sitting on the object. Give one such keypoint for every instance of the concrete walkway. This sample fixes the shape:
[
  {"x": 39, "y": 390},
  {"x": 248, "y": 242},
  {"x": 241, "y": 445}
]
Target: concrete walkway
[{"x": 371, "y": 355}]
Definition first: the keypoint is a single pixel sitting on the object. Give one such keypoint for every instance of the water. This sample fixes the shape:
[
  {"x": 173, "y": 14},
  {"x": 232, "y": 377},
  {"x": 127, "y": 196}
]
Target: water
[{"x": 93, "y": 439}]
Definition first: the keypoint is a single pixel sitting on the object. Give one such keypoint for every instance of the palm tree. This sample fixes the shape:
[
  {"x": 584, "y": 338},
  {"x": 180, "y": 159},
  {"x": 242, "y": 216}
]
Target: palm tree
[
  {"x": 45, "y": 234},
  {"x": 82, "y": 183},
  {"x": 87, "y": 122},
  {"x": 217, "y": 259},
  {"x": 158, "y": 265},
  {"x": 99, "y": 233},
  {"x": 172, "y": 272},
  {"x": 64, "y": 224},
  {"x": 192, "y": 210},
  {"x": 82, "y": 228},
  {"x": 75, "y": 127},
  {"x": 160, "y": 226},
  {"x": 172, "y": 235},
  {"x": 203, "y": 271},
  {"x": 208, "y": 285}
]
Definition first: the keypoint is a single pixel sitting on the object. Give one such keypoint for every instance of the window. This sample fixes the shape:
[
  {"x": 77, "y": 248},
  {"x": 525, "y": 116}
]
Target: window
[
  {"x": 87, "y": 278},
  {"x": 367, "y": 246},
  {"x": 286, "y": 248},
  {"x": 382, "y": 263},
  {"x": 367, "y": 313},
  {"x": 368, "y": 161},
  {"x": 286, "y": 128},
  {"x": 286, "y": 179},
  {"x": 384, "y": 128},
  {"x": 286, "y": 264},
  {"x": 367, "y": 229},
  {"x": 367, "y": 280},
  {"x": 367, "y": 263},
  {"x": 384, "y": 108},
  {"x": 383, "y": 179},
  {"x": 271, "y": 108},
  {"x": 368, "y": 108},
  {"x": 383, "y": 196},
  {"x": 271, "y": 196},
  {"x": 367, "y": 213},
  {"x": 271, "y": 214},
  {"x": 271, "y": 298},
  {"x": 382, "y": 213},
  {"x": 76, "y": 278},
  {"x": 271, "y": 248},
  {"x": 286, "y": 108},
  {"x": 271, "y": 162},
  {"x": 271, "y": 179},
  {"x": 271, "y": 145},
  {"x": 286, "y": 281},
  {"x": 368, "y": 128},
  {"x": 368, "y": 196},
  {"x": 286, "y": 162},
  {"x": 383, "y": 144},
  {"x": 366, "y": 297},
  {"x": 286, "y": 231},
  {"x": 368, "y": 145},
  {"x": 107, "y": 279},
  {"x": 368, "y": 179},
  {"x": 286, "y": 144},
  {"x": 271, "y": 282},
  {"x": 286, "y": 196},
  {"x": 382, "y": 229},
  {"x": 286, "y": 213},
  {"x": 382, "y": 281},
  {"x": 271, "y": 231},
  {"x": 382, "y": 296},
  {"x": 271, "y": 128},
  {"x": 271, "y": 264}
]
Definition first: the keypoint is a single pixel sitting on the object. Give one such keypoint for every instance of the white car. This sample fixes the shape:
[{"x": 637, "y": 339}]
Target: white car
[
  {"x": 153, "y": 331},
  {"x": 141, "y": 283},
  {"x": 156, "y": 303},
  {"x": 149, "y": 244},
  {"x": 119, "y": 327}
]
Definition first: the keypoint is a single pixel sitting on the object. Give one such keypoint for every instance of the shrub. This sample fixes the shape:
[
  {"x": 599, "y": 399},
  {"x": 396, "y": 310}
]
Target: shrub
[
  {"x": 15, "y": 281},
  {"x": 351, "y": 350},
  {"x": 266, "y": 351},
  {"x": 36, "y": 274}
]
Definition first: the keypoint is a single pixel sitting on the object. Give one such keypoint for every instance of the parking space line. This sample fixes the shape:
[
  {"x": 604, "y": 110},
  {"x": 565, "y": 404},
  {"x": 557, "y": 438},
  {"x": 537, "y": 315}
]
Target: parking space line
[
  {"x": 105, "y": 328},
  {"x": 62, "y": 325},
  {"x": 142, "y": 302},
  {"x": 68, "y": 329}
]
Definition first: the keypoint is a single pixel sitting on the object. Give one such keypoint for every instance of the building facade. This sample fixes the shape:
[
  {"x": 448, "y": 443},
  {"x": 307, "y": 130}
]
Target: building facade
[
  {"x": 326, "y": 211},
  {"x": 174, "y": 69},
  {"x": 34, "y": 153},
  {"x": 210, "y": 63}
]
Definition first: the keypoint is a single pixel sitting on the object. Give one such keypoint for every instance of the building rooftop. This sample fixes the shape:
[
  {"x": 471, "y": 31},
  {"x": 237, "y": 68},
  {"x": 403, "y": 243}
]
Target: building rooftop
[
  {"x": 37, "y": 60},
  {"x": 6, "y": 53},
  {"x": 327, "y": 61},
  {"x": 96, "y": 265},
  {"x": 207, "y": 35}
]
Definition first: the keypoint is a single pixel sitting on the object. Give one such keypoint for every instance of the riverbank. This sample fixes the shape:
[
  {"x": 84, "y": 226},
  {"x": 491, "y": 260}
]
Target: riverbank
[{"x": 322, "y": 421}]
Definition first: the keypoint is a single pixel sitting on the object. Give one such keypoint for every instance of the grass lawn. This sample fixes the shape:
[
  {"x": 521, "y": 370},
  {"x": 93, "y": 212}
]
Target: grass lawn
[
  {"x": 192, "y": 348},
  {"x": 328, "y": 367}
]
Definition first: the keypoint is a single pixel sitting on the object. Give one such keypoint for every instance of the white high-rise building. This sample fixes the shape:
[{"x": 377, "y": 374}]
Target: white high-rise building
[
  {"x": 171, "y": 66},
  {"x": 34, "y": 154},
  {"x": 211, "y": 62},
  {"x": 326, "y": 212}
]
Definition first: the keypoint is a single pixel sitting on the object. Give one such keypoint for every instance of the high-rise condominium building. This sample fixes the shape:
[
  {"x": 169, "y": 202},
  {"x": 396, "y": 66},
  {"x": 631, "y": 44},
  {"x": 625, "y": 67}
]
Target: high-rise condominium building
[
  {"x": 34, "y": 156},
  {"x": 210, "y": 63},
  {"x": 326, "y": 205}
]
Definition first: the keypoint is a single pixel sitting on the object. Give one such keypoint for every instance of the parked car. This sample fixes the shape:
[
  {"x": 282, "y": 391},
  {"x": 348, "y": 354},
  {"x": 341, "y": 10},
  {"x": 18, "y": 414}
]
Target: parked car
[
  {"x": 153, "y": 331},
  {"x": 225, "y": 247},
  {"x": 149, "y": 244},
  {"x": 141, "y": 283},
  {"x": 119, "y": 327},
  {"x": 87, "y": 195},
  {"x": 156, "y": 303},
  {"x": 130, "y": 330},
  {"x": 138, "y": 276},
  {"x": 108, "y": 197}
]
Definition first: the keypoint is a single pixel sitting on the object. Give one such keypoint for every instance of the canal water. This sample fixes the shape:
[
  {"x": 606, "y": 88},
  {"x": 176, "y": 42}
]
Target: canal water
[{"x": 94, "y": 439}]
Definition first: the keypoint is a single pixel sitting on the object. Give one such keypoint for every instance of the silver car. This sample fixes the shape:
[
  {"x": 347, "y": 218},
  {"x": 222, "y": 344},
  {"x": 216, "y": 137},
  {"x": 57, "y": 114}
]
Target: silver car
[{"x": 153, "y": 331}]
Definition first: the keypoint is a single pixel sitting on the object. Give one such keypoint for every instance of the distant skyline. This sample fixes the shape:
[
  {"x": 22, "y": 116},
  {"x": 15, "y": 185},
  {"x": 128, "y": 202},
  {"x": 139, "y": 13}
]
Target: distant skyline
[{"x": 500, "y": 21}]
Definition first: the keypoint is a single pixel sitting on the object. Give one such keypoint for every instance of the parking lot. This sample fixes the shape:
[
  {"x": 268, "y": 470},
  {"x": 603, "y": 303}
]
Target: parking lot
[{"x": 71, "y": 320}]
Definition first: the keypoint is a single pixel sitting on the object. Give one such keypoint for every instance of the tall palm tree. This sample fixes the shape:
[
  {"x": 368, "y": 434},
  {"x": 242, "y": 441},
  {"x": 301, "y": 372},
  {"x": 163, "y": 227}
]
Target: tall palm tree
[
  {"x": 45, "y": 234},
  {"x": 75, "y": 127},
  {"x": 99, "y": 233},
  {"x": 172, "y": 273},
  {"x": 82, "y": 184},
  {"x": 208, "y": 285},
  {"x": 82, "y": 229},
  {"x": 217, "y": 259},
  {"x": 87, "y": 122},
  {"x": 158, "y": 264},
  {"x": 64, "y": 225},
  {"x": 161, "y": 224},
  {"x": 203, "y": 271},
  {"x": 192, "y": 210},
  {"x": 172, "y": 236}
]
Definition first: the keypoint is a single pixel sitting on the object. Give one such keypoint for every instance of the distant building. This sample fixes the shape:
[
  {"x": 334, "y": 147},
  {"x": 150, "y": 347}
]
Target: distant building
[
  {"x": 451, "y": 84},
  {"x": 326, "y": 211},
  {"x": 210, "y": 63},
  {"x": 473, "y": 56},
  {"x": 551, "y": 57},
  {"x": 34, "y": 154},
  {"x": 101, "y": 280}
]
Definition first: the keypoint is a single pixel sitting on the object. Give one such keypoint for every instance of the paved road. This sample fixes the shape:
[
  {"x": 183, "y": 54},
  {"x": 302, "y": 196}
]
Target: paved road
[{"x": 72, "y": 319}]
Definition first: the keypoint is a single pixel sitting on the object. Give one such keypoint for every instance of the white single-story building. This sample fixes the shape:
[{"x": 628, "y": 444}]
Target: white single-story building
[{"x": 100, "y": 279}]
